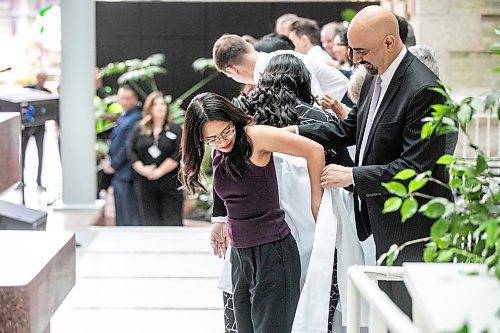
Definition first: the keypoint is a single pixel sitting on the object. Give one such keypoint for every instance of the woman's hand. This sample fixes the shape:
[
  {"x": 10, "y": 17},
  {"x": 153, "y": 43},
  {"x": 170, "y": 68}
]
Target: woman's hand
[
  {"x": 155, "y": 174},
  {"x": 143, "y": 170},
  {"x": 219, "y": 239}
]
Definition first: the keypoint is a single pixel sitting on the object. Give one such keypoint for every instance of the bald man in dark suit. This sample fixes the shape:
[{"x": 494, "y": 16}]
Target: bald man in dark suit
[{"x": 385, "y": 126}]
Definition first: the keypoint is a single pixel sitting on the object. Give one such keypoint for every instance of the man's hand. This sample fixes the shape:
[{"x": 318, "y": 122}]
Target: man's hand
[
  {"x": 106, "y": 166},
  {"x": 219, "y": 239},
  {"x": 328, "y": 102},
  {"x": 336, "y": 176}
]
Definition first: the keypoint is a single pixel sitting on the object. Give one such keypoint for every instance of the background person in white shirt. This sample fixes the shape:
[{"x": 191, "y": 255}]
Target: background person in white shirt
[
  {"x": 238, "y": 60},
  {"x": 305, "y": 35}
]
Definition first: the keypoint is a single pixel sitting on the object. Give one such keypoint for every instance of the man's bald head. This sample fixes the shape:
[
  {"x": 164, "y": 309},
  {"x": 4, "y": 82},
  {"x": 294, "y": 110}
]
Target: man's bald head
[
  {"x": 375, "y": 20},
  {"x": 373, "y": 36}
]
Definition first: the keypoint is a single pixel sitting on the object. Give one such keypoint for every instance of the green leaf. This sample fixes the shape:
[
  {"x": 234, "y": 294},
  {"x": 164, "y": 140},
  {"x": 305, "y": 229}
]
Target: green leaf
[
  {"x": 405, "y": 174},
  {"x": 464, "y": 114},
  {"x": 440, "y": 91},
  {"x": 479, "y": 247},
  {"x": 477, "y": 104},
  {"x": 443, "y": 242},
  {"x": 439, "y": 229},
  {"x": 463, "y": 329},
  {"x": 381, "y": 259},
  {"x": 455, "y": 182},
  {"x": 395, "y": 188},
  {"x": 492, "y": 231},
  {"x": 481, "y": 164},
  {"x": 445, "y": 129},
  {"x": 433, "y": 209},
  {"x": 441, "y": 109},
  {"x": 497, "y": 270},
  {"x": 446, "y": 159},
  {"x": 491, "y": 260},
  {"x": 392, "y": 255},
  {"x": 445, "y": 255},
  {"x": 423, "y": 175},
  {"x": 492, "y": 99},
  {"x": 427, "y": 130},
  {"x": 348, "y": 14},
  {"x": 430, "y": 252},
  {"x": 202, "y": 64},
  {"x": 462, "y": 170},
  {"x": 392, "y": 204},
  {"x": 416, "y": 184},
  {"x": 408, "y": 209},
  {"x": 448, "y": 121},
  {"x": 472, "y": 185}
]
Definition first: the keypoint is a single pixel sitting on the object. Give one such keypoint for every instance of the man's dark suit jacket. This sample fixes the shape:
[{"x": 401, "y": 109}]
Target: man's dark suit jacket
[
  {"x": 118, "y": 144},
  {"x": 393, "y": 144}
]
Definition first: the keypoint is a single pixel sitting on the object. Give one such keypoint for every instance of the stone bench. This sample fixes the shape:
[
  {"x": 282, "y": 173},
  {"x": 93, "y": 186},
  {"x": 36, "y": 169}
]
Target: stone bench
[{"x": 37, "y": 271}]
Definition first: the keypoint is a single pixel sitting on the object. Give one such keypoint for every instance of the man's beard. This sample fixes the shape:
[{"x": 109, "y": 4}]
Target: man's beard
[{"x": 371, "y": 70}]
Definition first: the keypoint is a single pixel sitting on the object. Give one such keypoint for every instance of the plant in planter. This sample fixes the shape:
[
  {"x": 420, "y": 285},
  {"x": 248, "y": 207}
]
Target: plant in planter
[{"x": 467, "y": 230}]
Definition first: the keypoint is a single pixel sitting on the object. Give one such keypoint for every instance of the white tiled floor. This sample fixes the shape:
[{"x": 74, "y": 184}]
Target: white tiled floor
[{"x": 160, "y": 279}]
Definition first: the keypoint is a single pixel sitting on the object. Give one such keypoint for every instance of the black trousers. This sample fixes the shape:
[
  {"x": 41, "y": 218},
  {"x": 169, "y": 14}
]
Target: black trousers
[
  {"x": 266, "y": 286},
  {"x": 159, "y": 203},
  {"x": 39, "y": 133}
]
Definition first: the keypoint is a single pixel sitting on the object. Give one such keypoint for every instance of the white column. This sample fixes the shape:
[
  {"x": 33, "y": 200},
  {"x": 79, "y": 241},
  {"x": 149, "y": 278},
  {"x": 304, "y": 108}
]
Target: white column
[{"x": 78, "y": 52}]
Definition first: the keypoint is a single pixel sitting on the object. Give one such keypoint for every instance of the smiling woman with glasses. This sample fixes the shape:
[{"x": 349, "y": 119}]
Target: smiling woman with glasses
[{"x": 265, "y": 263}]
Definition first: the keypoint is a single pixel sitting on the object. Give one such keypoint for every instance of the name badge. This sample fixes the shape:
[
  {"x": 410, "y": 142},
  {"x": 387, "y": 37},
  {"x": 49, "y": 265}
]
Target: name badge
[
  {"x": 154, "y": 151},
  {"x": 171, "y": 135}
]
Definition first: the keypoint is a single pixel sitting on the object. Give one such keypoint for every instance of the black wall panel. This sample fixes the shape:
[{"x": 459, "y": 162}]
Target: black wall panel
[{"x": 186, "y": 31}]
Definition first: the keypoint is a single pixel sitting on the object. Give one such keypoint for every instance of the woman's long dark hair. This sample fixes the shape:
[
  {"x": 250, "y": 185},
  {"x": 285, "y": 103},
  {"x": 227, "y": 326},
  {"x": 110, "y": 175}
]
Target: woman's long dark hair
[
  {"x": 203, "y": 108},
  {"x": 284, "y": 83}
]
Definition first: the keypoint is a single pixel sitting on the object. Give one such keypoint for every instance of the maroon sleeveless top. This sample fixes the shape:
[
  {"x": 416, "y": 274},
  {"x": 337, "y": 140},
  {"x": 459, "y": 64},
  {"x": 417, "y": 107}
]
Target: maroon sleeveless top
[{"x": 253, "y": 210}]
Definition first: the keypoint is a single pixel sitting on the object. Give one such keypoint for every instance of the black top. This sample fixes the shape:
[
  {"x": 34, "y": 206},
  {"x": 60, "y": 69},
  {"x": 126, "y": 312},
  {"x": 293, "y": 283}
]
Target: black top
[
  {"x": 309, "y": 114},
  {"x": 168, "y": 144},
  {"x": 252, "y": 202}
]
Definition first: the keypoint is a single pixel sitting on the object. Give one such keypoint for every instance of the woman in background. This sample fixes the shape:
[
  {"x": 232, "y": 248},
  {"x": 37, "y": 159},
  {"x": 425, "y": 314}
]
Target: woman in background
[{"x": 153, "y": 150}]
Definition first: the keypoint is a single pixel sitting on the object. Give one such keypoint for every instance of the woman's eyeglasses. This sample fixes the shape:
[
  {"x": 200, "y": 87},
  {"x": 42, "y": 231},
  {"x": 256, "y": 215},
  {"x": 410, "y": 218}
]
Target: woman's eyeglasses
[{"x": 227, "y": 134}]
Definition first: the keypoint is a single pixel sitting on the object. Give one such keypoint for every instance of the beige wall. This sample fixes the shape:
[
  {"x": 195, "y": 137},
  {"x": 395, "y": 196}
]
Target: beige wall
[{"x": 461, "y": 32}]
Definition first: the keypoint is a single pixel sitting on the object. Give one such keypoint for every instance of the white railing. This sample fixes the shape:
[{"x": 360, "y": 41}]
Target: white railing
[
  {"x": 384, "y": 315},
  {"x": 485, "y": 132}
]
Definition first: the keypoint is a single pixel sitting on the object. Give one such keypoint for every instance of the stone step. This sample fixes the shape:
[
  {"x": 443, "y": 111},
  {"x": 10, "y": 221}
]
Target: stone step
[
  {"x": 149, "y": 265},
  {"x": 134, "y": 321}
]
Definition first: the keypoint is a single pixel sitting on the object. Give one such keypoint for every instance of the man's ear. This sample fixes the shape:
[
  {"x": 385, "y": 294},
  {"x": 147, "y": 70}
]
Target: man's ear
[
  {"x": 231, "y": 69},
  {"x": 389, "y": 42},
  {"x": 305, "y": 40}
]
